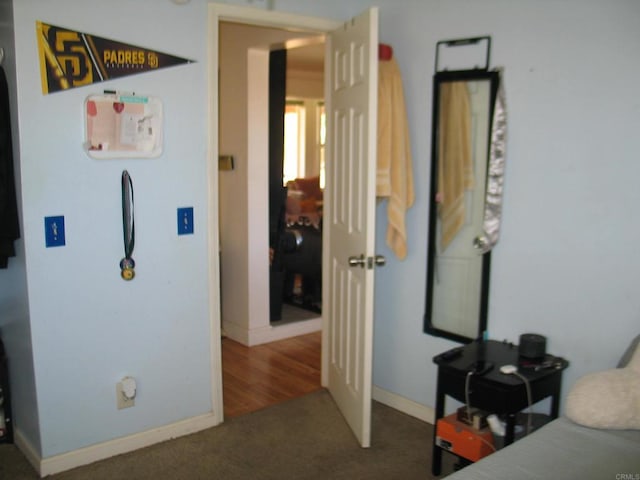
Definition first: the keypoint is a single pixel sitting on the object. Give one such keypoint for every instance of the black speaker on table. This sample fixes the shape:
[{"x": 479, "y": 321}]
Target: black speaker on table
[{"x": 532, "y": 346}]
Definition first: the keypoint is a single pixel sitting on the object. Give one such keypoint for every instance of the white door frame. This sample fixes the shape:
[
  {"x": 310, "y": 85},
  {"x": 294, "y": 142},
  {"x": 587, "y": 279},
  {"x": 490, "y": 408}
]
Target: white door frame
[{"x": 252, "y": 16}]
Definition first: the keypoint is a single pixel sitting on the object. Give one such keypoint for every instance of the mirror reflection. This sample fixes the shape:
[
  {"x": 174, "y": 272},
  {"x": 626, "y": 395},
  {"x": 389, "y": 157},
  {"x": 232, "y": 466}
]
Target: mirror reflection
[{"x": 458, "y": 270}]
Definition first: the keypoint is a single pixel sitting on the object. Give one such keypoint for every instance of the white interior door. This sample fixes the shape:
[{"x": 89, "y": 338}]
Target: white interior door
[{"x": 349, "y": 218}]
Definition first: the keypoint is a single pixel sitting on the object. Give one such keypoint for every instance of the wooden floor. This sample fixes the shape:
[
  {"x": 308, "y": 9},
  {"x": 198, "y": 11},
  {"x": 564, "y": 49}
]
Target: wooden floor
[{"x": 256, "y": 377}]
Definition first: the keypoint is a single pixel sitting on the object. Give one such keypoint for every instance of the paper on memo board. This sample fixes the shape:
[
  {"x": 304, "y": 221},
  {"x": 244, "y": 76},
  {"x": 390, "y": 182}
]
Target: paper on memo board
[{"x": 123, "y": 126}]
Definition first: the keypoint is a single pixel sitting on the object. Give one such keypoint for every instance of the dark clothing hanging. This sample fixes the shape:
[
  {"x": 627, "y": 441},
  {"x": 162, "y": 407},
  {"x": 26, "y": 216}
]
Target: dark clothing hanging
[{"x": 9, "y": 225}]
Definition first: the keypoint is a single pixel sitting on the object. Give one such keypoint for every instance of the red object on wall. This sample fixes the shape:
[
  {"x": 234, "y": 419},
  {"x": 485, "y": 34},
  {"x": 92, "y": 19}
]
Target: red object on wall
[{"x": 385, "y": 52}]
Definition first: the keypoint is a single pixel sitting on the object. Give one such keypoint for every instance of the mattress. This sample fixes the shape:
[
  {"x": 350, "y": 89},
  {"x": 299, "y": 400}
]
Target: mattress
[{"x": 562, "y": 450}]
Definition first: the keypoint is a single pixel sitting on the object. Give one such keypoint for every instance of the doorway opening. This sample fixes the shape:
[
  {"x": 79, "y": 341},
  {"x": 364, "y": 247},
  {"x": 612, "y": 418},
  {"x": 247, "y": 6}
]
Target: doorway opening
[
  {"x": 245, "y": 192},
  {"x": 253, "y": 342},
  {"x": 296, "y": 173},
  {"x": 349, "y": 226}
]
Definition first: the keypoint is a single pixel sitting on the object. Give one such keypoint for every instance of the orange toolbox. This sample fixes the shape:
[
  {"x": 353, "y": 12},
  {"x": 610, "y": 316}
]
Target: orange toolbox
[{"x": 462, "y": 439}]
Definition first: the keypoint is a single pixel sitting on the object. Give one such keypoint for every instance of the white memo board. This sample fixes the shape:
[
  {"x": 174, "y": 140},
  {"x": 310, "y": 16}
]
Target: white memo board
[{"x": 123, "y": 126}]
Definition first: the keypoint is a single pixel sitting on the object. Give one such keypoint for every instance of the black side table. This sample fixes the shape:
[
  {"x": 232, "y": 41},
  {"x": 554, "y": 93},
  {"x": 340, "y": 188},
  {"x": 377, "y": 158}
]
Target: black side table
[{"x": 491, "y": 390}]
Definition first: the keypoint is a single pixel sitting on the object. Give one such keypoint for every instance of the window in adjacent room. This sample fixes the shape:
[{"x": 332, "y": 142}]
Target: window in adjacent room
[
  {"x": 321, "y": 138},
  {"x": 304, "y": 140},
  {"x": 294, "y": 141}
]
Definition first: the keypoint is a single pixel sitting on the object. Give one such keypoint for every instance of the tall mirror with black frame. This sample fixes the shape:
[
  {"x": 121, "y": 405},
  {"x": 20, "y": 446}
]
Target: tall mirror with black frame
[{"x": 458, "y": 260}]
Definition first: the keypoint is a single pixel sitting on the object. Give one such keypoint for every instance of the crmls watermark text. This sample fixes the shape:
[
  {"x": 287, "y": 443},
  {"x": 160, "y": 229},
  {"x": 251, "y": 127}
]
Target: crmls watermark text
[{"x": 627, "y": 476}]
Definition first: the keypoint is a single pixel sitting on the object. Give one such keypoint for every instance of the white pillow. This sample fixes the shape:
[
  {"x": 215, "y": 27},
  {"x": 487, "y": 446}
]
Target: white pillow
[{"x": 608, "y": 399}]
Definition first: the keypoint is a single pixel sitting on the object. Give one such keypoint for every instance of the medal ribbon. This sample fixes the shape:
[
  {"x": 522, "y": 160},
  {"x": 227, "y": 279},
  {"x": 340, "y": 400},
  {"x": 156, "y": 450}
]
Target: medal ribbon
[{"x": 128, "y": 227}]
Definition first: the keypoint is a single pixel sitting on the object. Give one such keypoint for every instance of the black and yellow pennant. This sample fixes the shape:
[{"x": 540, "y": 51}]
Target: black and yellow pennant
[{"x": 70, "y": 59}]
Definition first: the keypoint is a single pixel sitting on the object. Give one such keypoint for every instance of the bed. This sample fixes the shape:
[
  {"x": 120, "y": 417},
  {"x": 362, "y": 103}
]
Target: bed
[{"x": 562, "y": 450}]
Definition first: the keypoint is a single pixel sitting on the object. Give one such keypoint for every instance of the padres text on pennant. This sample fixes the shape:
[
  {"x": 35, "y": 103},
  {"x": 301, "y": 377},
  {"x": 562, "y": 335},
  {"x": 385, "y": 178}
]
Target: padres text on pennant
[{"x": 70, "y": 59}]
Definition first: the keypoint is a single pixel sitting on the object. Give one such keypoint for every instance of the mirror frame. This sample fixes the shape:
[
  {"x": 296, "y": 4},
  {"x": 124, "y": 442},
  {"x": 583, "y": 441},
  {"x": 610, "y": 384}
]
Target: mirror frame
[{"x": 438, "y": 79}]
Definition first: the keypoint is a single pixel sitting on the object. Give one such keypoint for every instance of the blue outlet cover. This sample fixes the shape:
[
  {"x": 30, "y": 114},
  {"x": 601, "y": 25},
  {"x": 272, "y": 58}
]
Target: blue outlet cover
[
  {"x": 54, "y": 231},
  {"x": 185, "y": 221}
]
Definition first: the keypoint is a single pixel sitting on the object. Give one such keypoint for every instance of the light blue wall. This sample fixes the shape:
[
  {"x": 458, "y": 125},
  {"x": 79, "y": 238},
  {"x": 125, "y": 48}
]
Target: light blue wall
[
  {"x": 90, "y": 328},
  {"x": 566, "y": 267},
  {"x": 567, "y": 264}
]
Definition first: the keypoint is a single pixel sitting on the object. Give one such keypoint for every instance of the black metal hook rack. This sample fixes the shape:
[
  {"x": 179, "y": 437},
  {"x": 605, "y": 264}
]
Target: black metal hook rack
[{"x": 462, "y": 42}]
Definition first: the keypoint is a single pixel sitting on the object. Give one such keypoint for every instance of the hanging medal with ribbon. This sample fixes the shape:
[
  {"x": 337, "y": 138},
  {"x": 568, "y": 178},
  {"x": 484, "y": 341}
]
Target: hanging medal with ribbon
[{"x": 127, "y": 264}]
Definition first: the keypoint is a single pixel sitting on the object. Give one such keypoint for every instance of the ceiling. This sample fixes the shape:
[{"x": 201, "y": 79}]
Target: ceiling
[{"x": 306, "y": 57}]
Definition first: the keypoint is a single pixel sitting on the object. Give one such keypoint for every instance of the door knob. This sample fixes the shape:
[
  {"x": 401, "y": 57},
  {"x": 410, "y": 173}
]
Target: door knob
[
  {"x": 480, "y": 242},
  {"x": 360, "y": 261},
  {"x": 369, "y": 262}
]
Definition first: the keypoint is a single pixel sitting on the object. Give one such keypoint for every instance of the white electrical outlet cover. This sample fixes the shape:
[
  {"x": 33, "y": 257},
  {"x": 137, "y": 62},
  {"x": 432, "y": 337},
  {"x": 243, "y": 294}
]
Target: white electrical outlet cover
[{"x": 129, "y": 387}]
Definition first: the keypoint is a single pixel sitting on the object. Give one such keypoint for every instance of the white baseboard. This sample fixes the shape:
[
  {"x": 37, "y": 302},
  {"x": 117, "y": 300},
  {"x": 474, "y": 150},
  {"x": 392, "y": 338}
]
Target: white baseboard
[
  {"x": 404, "y": 405},
  {"x": 236, "y": 333},
  {"x": 267, "y": 334},
  {"x": 27, "y": 449},
  {"x": 288, "y": 330},
  {"x": 118, "y": 446}
]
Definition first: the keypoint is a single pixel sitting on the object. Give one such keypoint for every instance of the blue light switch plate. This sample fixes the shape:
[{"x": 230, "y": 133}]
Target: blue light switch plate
[
  {"x": 54, "y": 231},
  {"x": 185, "y": 221}
]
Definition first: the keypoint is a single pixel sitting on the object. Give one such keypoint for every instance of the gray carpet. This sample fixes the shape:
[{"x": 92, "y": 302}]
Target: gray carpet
[{"x": 305, "y": 438}]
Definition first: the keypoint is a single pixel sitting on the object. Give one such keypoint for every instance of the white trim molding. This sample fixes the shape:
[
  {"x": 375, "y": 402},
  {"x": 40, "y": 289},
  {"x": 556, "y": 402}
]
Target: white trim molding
[
  {"x": 117, "y": 446},
  {"x": 267, "y": 334},
  {"x": 404, "y": 405}
]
